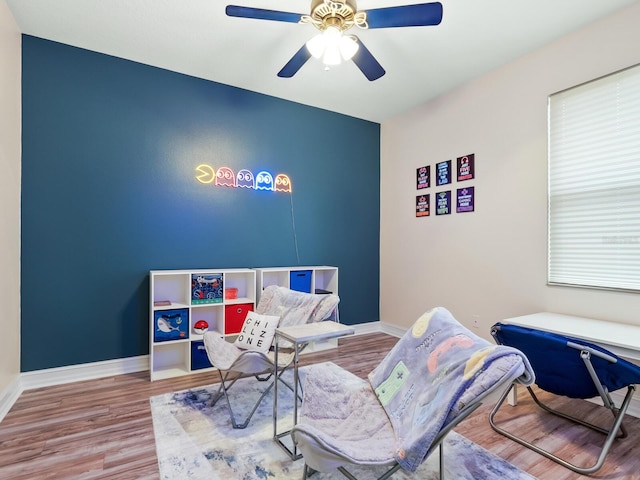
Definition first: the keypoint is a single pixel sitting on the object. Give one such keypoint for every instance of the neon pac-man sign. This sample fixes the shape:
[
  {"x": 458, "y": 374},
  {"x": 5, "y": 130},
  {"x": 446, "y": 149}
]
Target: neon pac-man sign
[{"x": 225, "y": 177}]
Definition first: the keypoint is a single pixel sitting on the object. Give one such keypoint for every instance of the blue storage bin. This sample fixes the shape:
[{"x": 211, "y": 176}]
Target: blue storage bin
[
  {"x": 171, "y": 325},
  {"x": 199, "y": 358},
  {"x": 300, "y": 280}
]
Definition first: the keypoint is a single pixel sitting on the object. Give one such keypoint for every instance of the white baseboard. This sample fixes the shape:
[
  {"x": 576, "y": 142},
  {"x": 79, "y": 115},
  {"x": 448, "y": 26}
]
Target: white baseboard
[
  {"x": 86, "y": 371},
  {"x": 392, "y": 330},
  {"x": 9, "y": 396}
]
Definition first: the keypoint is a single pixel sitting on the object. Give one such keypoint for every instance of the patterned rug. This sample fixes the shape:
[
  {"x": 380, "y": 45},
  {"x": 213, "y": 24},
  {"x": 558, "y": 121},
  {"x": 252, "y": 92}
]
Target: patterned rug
[{"x": 195, "y": 441}]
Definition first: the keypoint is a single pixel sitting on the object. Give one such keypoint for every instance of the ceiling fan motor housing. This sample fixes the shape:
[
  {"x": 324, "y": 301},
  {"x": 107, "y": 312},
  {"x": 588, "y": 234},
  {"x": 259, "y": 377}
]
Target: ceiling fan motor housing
[{"x": 339, "y": 14}]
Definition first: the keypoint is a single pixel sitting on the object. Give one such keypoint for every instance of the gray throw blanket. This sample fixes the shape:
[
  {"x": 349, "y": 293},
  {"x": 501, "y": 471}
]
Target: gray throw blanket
[{"x": 434, "y": 371}]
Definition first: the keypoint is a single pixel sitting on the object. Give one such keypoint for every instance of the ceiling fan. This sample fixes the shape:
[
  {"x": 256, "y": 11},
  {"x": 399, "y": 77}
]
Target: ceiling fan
[{"x": 333, "y": 18}]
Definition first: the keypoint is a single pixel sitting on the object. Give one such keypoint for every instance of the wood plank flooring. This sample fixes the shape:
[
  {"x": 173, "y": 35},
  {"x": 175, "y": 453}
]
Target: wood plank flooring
[{"x": 102, "y": 429}]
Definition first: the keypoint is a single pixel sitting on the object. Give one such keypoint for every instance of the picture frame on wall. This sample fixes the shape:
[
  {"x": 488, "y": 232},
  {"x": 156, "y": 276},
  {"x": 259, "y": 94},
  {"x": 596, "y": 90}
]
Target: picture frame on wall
[
  {"x": 466, "y": 167},
  {"x": 443, "y": 173},
  {"x": 423, "y": 177},
  {"x": 422, "y": 205},
  {"x": 465, "y": 200},
  {"x": 443, "y": 203}
]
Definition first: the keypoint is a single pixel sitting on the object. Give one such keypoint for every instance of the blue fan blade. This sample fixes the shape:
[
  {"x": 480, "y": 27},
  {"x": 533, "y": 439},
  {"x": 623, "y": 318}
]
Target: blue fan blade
[
  {"x": 367, "y": 63},
  {"x": 296, "y": 63},
  {"x": 419, "y": 15},
  {"x": 262, "y": 14}
]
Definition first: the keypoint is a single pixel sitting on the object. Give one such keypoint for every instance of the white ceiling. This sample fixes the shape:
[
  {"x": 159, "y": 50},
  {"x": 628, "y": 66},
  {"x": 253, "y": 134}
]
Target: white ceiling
[{"x": 195, "y": 37}]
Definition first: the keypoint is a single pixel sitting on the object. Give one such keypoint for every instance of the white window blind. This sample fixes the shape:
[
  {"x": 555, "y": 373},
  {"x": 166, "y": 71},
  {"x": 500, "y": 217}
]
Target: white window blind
[{"x": 594, "y": 183}]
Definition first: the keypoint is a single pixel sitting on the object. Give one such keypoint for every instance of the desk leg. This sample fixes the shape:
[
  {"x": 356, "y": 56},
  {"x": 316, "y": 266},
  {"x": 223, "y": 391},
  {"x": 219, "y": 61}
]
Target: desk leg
[
  {"x": 275, "y": 391},
  {"x": 292, "y": 452},
  {"x": 295, "y": 395}
]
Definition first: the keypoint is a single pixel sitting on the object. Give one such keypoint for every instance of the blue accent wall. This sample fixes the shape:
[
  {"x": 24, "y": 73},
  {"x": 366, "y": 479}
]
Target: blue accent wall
[{"x": 109, "y": 151}]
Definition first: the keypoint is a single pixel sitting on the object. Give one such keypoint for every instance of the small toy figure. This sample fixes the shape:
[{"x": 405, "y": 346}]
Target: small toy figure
[{"x": 200, "y": 327}]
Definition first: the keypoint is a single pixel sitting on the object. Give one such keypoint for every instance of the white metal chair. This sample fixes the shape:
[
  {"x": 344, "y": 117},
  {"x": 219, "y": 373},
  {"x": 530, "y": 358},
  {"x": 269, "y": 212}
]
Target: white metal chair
[
  {"x": 233, "y": 362},
  {"x": 435, "y": 376}
]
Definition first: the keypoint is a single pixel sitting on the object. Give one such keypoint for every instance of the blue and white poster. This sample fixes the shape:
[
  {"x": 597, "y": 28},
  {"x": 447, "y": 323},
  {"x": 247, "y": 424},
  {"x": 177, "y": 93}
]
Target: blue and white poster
[{"x": 443, "y": 173}]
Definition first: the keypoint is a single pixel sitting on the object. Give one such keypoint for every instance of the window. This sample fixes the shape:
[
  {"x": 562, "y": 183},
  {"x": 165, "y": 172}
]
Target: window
[{"x": 594, "y": 183}]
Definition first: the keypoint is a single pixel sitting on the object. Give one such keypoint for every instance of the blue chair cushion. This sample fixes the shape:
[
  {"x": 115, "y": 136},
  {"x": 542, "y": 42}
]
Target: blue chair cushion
[{"x": 559, "y": 369}]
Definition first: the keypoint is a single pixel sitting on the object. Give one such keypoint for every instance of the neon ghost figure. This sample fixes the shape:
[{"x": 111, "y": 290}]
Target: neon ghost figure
[
  {"x": 245, "y": 179},
  {"x": 283, "y": 183},
  {"x": 225, "y": 177},
  {"x": 264, "y": 181}
]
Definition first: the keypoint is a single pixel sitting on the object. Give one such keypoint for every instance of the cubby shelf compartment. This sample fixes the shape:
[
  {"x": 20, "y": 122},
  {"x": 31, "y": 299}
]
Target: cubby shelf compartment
[{"x": 320, "y": 279}]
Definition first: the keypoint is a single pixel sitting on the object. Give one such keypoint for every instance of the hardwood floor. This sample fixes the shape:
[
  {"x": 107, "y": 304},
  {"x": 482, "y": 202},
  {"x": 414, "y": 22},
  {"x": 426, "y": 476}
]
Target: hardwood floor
[{"x": 102, "y": 429}]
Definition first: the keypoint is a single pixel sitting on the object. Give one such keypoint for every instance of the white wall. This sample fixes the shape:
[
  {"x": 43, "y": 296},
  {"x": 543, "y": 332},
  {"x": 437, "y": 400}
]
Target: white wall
[
  {"x": 10, "y": 120},
  {"x": 491, "y": 263}
]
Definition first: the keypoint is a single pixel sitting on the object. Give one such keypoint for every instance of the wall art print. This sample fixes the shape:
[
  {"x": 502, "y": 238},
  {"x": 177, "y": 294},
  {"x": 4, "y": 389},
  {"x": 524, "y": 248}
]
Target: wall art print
[
  {"x": 443, "y": 203},
  {"x": 466, "y": 167},
  {"x": 422, "y": 205},
  {"x": 423, "y": 177},
  {"x": 465, "y": 200},
  {"x": 443, "y": 173}
]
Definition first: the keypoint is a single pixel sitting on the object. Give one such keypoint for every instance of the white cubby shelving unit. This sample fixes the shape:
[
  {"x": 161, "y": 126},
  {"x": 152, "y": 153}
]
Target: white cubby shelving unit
[
  {"x": 320, "y": 279},
  {"x": 177, "y": 302}
]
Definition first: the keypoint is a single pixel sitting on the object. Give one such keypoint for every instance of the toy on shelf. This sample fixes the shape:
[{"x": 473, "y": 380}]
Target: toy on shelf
[
  {"x": 206, "y": 288},
  {"x": 200, "y": 327},
  {"x": 231, "y": 293}
]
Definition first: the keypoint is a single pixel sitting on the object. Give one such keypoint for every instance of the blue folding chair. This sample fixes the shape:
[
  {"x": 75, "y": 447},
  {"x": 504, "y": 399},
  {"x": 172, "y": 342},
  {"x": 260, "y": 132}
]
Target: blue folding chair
[{"x": 572, "y": 368}]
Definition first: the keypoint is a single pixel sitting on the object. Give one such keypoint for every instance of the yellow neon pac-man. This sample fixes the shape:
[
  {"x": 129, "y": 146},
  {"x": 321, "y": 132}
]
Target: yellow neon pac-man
[{"x": 205, "y": 173}]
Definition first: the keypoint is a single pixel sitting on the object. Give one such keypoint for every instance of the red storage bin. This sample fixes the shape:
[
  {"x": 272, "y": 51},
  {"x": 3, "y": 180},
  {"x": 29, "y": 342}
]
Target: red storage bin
[{"x": 234, "y": 316}]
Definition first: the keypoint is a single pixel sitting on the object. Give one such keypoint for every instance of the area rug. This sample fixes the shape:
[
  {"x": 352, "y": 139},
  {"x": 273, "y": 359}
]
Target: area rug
[{"x": 195, "y": 441}]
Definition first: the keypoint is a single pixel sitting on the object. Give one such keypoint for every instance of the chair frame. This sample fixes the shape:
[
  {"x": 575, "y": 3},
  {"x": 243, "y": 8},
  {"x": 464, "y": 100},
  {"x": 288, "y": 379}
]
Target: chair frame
[
  {"x": 262, "y": 365},
  {"x": 616, "y": 430},
  {"x": 223, "y": 391},
  {"x": 437, "y": 442}
]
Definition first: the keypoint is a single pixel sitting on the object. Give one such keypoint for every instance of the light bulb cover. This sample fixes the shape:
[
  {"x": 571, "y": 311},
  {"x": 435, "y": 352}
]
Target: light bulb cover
[
  {"x": 316, "y": 46},
  {"x": 332, "y": 55},
  {"x": 348, "y": 47},
  {"x": 332, "y": 46}
]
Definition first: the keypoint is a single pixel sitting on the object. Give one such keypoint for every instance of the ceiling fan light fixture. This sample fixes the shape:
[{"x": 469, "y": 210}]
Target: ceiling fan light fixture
[
  {"x": 332, "y": 46},
  {"x": 332, "y": 55},
  {"x": 348, "y": 47},
  {"x": 316, "y": 46}
]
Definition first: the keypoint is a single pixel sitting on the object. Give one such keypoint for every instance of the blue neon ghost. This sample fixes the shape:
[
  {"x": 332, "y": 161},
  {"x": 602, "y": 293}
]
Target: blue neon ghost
[{"x": 264, "y": 181}]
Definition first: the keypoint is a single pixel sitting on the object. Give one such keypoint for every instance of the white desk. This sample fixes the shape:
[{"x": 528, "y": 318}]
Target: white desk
[
  {"x": 300, "y": 335},
  {"x": 620, "y": 338}
]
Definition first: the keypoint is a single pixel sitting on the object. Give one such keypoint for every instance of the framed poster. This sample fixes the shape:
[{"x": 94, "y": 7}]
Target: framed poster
[
  {"x": 443, "y": 173},
  {"x": 423, "y": 177},
  {"x": 422, "y": 205},
  {"x": 465, "y": 200},
  {"x": 443, "y": 203},
  {"x": 466, "y": 168}
]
